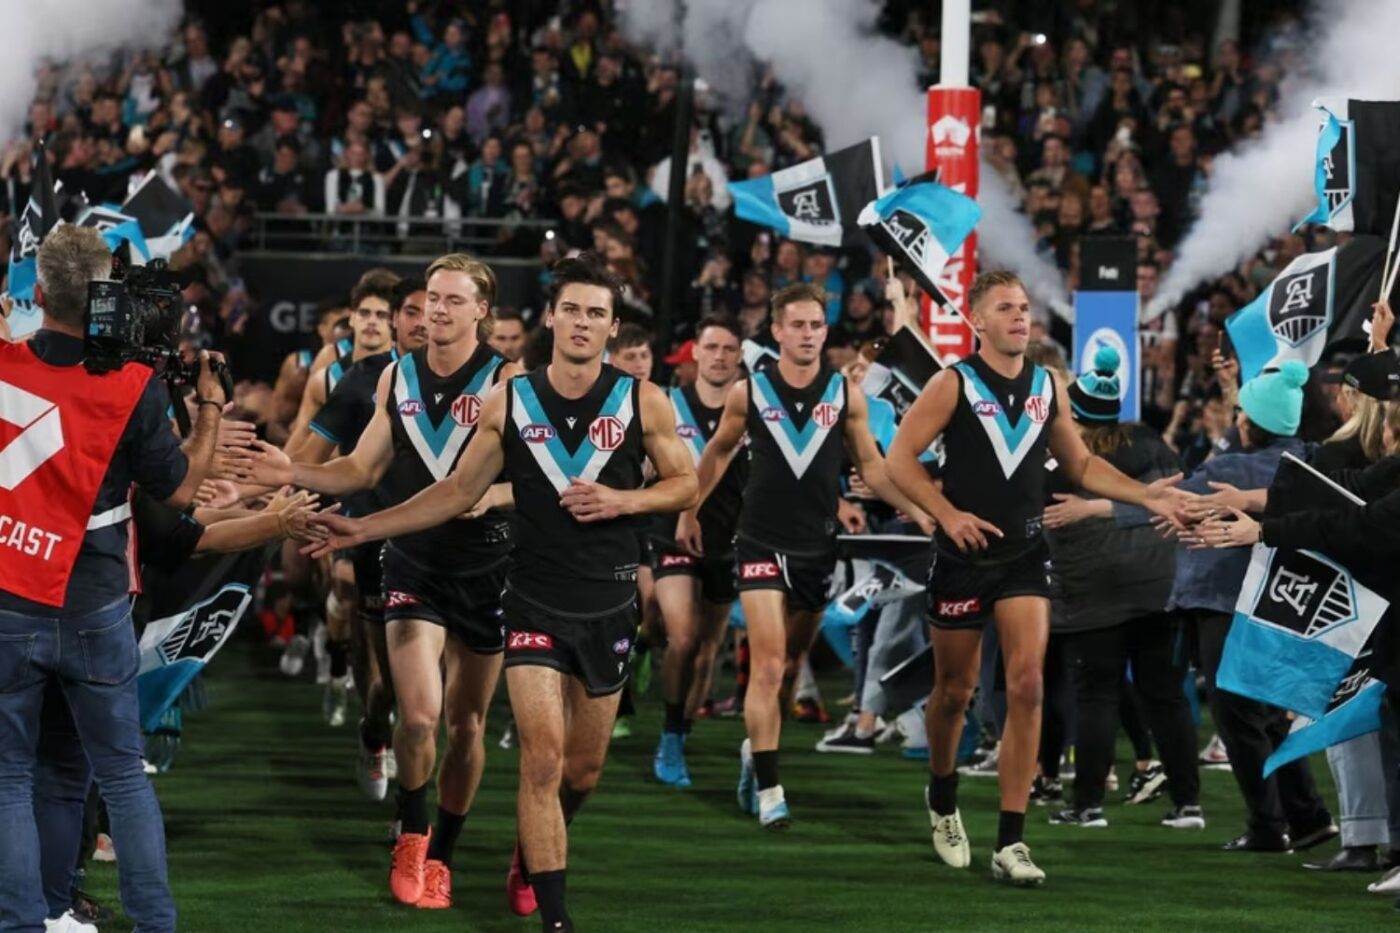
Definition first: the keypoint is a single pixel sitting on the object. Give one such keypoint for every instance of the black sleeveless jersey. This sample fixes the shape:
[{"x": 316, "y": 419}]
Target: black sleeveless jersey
[
  {"x": 347, "y": 413},
  {"x": 695, "y": 425},
  {"x": 567, "y": 565},
  {"x": 432, "y": 419},
  {"x": 796, "y": 449},
  {"x": 995, "y": 447}
]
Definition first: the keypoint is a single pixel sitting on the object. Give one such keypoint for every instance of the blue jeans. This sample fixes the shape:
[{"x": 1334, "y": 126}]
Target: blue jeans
[{"x": 94, "y": 659}]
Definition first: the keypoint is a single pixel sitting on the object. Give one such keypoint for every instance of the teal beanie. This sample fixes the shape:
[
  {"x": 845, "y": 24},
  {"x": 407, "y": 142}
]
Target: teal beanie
[{"x": 1274, "y": 398}]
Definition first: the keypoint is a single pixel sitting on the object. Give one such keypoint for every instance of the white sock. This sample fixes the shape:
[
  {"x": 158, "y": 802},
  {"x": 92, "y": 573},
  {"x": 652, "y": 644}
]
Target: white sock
[{"x": 770, "y": 797}]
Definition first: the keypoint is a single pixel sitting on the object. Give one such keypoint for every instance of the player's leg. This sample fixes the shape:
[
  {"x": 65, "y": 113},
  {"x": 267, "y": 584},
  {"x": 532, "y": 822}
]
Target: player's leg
[
  {"x": 677, "y": 595},
  {"x": 714, "y": 622},
  {"x": 415, "y": 652},
  {"x": 765, "y": 611},
  {"x": 1023, "y": 626},
  {"x": 537, "y": 702},
  {"x": 956, "y": 662}
]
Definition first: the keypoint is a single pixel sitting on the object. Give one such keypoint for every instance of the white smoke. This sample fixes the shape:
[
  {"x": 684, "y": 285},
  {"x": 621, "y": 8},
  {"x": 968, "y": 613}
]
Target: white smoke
[
  {"x": 63, "y": 30},
  {"x": 1262, "y": 190},
  {"x": 854, "y": 82}
]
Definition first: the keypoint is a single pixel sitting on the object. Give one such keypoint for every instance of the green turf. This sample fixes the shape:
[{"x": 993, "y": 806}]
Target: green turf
[{"x": 268, "y": 832}]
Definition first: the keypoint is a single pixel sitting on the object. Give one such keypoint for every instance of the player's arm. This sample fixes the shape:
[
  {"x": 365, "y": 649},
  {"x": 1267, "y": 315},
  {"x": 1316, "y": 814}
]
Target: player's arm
[
  {"x": 673, "y": 491},
  {"x": 360, "y": 469},
  {"x": 287, "y": 391},
  {"x": 871, "y": 466},
  {"x": 1097, "y": 476},
  {"x": 481, "y": 462},
  {"x": 500, "y": 495},
  {"x": 313, "y": 401},
  {"x": 923, "y": 424}
]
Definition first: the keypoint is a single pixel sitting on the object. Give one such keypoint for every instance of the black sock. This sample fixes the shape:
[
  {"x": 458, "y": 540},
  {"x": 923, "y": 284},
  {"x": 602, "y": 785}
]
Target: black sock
[
  {"x": 1011, "y": 828},
  {"x": 340, "y": 658},
  {"x": 549, "y": 893},
  {"x": 449, "y": 827},
  {"x": 943, "y": 793},
  {"x": 570, "y": 799},
  {"x": 765, "y": 768},
  {"x": 675, "y": 718},
  {"x": 413, "y": 809},
  {"x": 685, "y": 726}
]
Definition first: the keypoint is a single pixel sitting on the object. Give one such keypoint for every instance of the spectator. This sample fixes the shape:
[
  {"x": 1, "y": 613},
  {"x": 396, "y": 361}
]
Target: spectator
[
  {"x": 700, "y": 159},
  {"x": 354, "y": 188},
  {"x": 488, "y": 108}
]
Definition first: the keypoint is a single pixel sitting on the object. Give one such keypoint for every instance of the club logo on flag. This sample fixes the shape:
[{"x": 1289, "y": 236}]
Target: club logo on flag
[
  {"x": 41, "y": 434},
  {"x": 811, "y": 201},
  {"x": 606, "y": 433},
  {"x": 1305, "y": 594},
  {"x": 1337, "y": 170},
  {"x": 1298, "y": 306},
  {"x": 910, "y": 232}
]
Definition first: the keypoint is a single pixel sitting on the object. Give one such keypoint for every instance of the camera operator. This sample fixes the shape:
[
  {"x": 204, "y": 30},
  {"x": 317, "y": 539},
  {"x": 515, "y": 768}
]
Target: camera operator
[{"x": 64, "y": 571}]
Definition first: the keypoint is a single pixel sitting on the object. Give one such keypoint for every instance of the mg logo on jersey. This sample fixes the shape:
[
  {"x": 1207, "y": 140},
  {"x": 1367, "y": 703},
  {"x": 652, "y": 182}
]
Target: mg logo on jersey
[
  {"x": 606, "y": 433},
  {"x": 953, "y": 608},
  {"x": 410, "y": 407},
  {"x": 987, "y": 409},
  {"x": 40, "y": 434},
  {"x": 773, "y": 414},
  {"x": 687, "y": 431},
  {"x": 536, "y": 433},
  {"x": 530, "y": 641},
  {"x": 760, "y": 570},
  {"x": 466, "y": 409},
  {"x": 1038, "y": 407},
  {"x": 825, "y": 414}
]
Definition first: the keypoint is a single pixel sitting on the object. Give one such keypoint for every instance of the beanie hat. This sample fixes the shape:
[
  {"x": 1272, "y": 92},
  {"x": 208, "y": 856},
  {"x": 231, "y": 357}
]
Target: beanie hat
[
  {"x": 1274, "y": 398},
  {"x": 1095, "y": 397}
]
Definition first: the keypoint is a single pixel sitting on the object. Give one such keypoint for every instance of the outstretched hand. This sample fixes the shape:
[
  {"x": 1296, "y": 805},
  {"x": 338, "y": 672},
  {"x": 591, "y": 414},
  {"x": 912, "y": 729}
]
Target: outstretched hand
[
  {"x": 1165, "y": 500},
  {"x": 269, "y": 466},
  {"x": 340, "y": 532},
  {"x": 1243, "y": 531}
]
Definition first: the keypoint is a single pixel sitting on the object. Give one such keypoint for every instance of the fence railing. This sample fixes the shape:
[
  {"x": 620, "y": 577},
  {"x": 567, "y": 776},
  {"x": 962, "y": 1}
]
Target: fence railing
[{"x": 360, "y": 234}]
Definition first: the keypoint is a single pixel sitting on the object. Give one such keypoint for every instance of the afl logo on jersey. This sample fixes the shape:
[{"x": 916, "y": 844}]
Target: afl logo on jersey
[
  {"x": 773, "y": 414},
  {"x": 687, "y": 431},
  {"x": 410, "y": 407},
  {"x": 987, "y": 408},
  {"x": 1038, "y": 407},
  {"x": 536, "y": 433},
  {"x": 825, "y": 414},
  {"x": 606, "y": 433},
  {"x": 466, "y": 409}
]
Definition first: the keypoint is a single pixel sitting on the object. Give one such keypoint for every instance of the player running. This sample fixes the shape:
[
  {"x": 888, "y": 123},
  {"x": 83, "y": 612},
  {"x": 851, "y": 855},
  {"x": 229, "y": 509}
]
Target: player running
[
  {"x": 798, "y": 414},
  {"x": 997, "y": 414},
  {"x": 695, "y": 576},
  {"x": 572, "y": 438},
  {"x": 442, "y": 584}
]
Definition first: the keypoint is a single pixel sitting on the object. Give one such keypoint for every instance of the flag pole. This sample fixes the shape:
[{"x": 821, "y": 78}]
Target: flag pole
[{"x": 1387, "y": 272}]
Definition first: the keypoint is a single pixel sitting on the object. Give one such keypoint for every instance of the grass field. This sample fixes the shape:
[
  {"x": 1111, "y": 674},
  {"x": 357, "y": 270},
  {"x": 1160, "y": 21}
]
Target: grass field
[{"x": 267, "y": 832}]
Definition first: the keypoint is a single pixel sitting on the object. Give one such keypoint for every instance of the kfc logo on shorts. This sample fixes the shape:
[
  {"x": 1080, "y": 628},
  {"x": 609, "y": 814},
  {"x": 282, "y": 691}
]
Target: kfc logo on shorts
[
  {"x": 760, "y": 570},
  {"x": 529, "y": 641},
  {"x": 536, "y": 433},
  {"x": 677, "y": 560},
  {"x": 622, "y": 646},
  {"x": 410, "y": 407},
  {"x": 394, "y": 598},
  {"x": 825, "y": 414},
  {"x": 986, "y": 408},
  {"x": 1038, "y": 407},
  {"x": 953, "y": 608},
  {"x": 687, "y": 431},
  {"x": 606, "y": 433},
  {"x": 773, "y": 414},
  {"x": 466, "y": 410}
]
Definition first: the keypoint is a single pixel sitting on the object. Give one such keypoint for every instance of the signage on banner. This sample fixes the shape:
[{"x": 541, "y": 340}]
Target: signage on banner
[{"x": 953, "y": 138}]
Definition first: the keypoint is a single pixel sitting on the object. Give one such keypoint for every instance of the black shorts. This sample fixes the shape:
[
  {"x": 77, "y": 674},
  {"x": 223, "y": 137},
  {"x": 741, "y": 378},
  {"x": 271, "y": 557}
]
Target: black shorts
[
  {"x": 369, "y": 580},
  {"x": 716, "y": 574},
  {"x": 962, "y": 593},
  {"x": 592, "y": 648},
  {"x": 467, "y": 605},
  {"x": 804, "y": 575}
]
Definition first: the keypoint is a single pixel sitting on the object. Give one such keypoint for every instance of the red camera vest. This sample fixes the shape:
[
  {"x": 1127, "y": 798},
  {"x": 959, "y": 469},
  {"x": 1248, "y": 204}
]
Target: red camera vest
[{"x": 59, "y": 426}]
